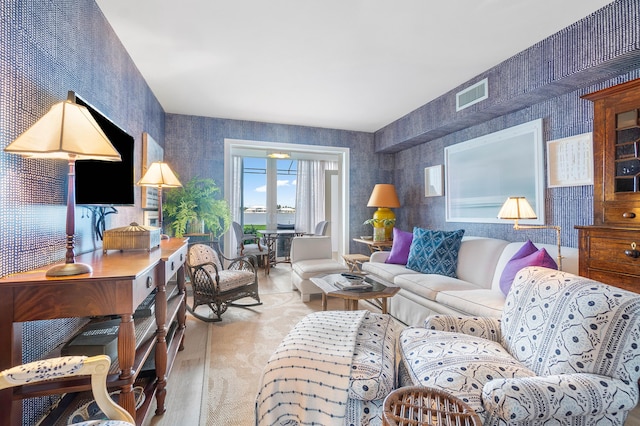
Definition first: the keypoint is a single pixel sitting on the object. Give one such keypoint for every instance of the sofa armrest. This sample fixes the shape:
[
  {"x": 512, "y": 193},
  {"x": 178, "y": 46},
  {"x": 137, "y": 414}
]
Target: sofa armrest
[
  {"x": 379, "y": 256},
  {"x": 537, "y": 399},
  {"x": 483, "y": 327}
]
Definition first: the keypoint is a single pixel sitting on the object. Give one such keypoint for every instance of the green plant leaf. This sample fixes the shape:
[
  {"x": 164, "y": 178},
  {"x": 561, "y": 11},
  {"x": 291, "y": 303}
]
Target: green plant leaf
[{"x": 196, "y": 200}]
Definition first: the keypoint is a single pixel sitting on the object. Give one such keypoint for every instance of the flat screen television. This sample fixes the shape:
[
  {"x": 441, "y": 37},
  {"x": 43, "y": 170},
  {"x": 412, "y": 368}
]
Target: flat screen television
[{"x": 106, "y": 183}]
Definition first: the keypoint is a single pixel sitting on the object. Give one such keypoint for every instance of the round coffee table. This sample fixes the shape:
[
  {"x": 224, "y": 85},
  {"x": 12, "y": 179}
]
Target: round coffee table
[{"x": 422, "y": 406}]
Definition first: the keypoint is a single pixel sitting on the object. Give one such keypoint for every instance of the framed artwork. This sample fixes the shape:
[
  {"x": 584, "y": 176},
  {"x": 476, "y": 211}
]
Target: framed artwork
[
  {"x": 433, "y": 177},
  {"x": 150, "y": 218},
  {"x": 151, "y": 152},
  {"x": 570, "y": 161},
  {"x": 483, "y": 172}
]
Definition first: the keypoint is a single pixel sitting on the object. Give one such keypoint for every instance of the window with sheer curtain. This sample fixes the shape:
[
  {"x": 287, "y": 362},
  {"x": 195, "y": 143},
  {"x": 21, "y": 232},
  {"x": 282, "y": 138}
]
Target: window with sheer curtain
[{"x": 310, "y": 193}]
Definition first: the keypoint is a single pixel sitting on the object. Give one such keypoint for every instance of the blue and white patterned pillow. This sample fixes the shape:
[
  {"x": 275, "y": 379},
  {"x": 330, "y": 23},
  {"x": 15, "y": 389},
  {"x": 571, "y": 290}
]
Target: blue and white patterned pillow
[{"x": 435, "y": 252}]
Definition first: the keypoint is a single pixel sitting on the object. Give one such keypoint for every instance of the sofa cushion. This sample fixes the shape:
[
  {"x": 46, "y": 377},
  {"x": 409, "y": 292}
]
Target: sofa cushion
[
  {"x": 528, "y": 255},
  {"x": 400, "y": 248},
  {"x": 477, "y": 259},
  {"x": 386, "y": 271},
  {"x": 435, "y": 252},
  {"x": 428, "y": 285},
  {"x": 312, "y": 267},
  {"x": 481, "y": 302},
  {"x": 456, "y": 363},
  {"x": 374, "y": 358}
]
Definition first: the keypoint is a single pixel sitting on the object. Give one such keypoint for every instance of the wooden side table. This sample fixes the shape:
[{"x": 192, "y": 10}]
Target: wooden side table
[
  {"x": 422, "y": 406},
  {"x": 375, "y": 245},
  {"x": 354, "y": 261}
]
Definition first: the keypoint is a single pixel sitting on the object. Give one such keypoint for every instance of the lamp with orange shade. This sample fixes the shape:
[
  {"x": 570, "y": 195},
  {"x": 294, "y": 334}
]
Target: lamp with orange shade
[{"x": 385, "y": 198}]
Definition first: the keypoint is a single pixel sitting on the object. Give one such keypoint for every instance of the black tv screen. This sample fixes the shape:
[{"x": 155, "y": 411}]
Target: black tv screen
[{"x": 108, "y": 183}]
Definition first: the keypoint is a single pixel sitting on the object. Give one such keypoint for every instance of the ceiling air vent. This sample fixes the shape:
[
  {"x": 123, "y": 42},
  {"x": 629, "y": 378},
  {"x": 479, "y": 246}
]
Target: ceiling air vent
[{"x": 472, "y": 95}]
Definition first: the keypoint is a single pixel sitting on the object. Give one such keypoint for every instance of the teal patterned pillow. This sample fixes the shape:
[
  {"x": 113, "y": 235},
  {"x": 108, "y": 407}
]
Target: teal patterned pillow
[{"x": 435, "y": 252}]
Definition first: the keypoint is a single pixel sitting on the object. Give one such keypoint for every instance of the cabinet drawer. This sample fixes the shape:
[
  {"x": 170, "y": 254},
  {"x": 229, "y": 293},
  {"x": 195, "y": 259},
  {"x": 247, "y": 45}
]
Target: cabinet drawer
[
  {"x": 608, "y": 253},
  {"x": 627, "y": 282},
  {"x": 622, "y": 215},
  {"x": 174, "y": 262},
  {"x": 145, "y": 283}
]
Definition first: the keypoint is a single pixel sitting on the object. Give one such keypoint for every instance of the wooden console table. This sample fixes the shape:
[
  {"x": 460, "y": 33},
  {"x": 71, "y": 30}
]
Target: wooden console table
[{"x": 120, "y": 281}]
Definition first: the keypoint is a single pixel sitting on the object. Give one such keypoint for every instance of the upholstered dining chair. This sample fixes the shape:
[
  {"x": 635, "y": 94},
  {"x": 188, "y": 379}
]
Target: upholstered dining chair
[
  {"x": 254, "y": 248},
  {"x": 243, "y": 247},
  {"x": 55, "y": 368},
  {"x": 321, "y": 228},
  {"x": 217, "y": 281}
]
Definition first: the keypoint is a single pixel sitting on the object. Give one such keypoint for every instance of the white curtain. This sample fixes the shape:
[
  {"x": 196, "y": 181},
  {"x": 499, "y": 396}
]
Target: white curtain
[
  {"x": 235, "y": 195},
  {"x": 310, "y": 192}
]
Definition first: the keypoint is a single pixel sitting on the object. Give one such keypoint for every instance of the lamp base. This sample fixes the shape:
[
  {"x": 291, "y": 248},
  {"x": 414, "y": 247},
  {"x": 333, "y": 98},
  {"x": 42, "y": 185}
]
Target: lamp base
[
  {"x": 380, "y": 215},
  {"x": 67, "y": 269}
]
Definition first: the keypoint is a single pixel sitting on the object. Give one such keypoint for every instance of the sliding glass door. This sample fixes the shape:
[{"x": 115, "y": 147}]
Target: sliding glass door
[{"x": 268, "y": 196}]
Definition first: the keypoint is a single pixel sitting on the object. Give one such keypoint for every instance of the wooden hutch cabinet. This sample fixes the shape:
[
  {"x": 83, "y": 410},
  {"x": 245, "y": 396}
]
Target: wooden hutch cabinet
[{"x": 610, "y": 249}]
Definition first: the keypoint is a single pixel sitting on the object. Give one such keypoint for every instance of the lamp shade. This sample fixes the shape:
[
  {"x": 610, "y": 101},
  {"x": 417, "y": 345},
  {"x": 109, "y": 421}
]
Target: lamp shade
[
  {"x": 67, "y": 131},
  {"x": 517, "y": 208},
  {"x": 159, "y": 175},
  {"x": 384, "y": 195}
]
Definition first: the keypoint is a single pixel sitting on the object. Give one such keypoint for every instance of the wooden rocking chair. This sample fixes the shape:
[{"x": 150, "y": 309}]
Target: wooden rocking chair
[{"x": 214, "y": 285}]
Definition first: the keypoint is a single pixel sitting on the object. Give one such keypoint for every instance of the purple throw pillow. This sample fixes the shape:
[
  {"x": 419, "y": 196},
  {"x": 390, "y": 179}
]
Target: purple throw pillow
[
  {"x": 400, "y": 248},
  {"x": 526, "y": 258}
]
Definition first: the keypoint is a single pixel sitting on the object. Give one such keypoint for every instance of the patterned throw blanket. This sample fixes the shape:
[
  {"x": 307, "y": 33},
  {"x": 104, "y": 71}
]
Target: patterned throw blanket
[{"x": 306, "y": 380}]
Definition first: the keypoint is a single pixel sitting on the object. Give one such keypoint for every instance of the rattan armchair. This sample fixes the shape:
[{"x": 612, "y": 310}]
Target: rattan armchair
[{"x": 218, "y": 286}]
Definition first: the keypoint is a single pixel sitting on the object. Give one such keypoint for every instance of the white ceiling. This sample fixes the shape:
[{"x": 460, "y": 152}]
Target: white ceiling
[{"x": 343, "y": 64}]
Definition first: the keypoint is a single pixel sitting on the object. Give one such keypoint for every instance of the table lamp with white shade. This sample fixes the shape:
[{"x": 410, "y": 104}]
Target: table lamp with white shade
[
  {"x": 516, "y": 208},
  {"x": 67, "y": 132},
  {"x": 159, "y": 175}
]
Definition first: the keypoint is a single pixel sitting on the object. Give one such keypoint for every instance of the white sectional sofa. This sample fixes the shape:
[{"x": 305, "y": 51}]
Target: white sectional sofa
[{"x": 475, "y": 291}]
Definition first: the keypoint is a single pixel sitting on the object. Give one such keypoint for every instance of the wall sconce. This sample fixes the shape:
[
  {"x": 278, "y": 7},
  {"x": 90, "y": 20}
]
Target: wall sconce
[
  {"x": 516, "y": 208},
  {"x": 68, "y": 132},
  {"x": 384, "y": 197},
  {"x": 159, "y": 175}
]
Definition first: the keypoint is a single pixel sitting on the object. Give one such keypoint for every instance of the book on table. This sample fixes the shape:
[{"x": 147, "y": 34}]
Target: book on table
[{"x": 96, "y": 338}]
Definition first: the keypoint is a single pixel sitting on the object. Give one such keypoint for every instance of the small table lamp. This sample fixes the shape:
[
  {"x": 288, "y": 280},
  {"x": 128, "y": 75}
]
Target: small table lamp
[
  {"x": 159, "y": 175},
  {"x": 516, "y": 208},
  {"x": 384, "y": 197},
  {"x": 69, "y": 132}
]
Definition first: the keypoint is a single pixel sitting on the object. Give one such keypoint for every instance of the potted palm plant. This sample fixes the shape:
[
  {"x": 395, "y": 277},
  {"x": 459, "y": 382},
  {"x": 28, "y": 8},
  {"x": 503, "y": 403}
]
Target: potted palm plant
[{"x": 194, "y": 208}]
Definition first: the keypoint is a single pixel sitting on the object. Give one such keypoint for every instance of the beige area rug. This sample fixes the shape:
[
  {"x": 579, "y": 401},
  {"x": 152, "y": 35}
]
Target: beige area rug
[{"x": 239, "y": 348}]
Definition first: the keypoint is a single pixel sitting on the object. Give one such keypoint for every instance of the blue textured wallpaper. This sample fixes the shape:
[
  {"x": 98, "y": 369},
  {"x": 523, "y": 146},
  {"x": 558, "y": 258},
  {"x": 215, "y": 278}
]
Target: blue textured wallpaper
[
  {"x": 49, "y": 47},
  {"x": 195, "y": 146},
  {"x": 544, "y": 81},
  {"x": 46, "y": 49}
]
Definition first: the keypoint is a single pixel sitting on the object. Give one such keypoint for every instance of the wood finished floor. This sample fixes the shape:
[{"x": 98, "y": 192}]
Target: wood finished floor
[{"x": 187, "y": 385}]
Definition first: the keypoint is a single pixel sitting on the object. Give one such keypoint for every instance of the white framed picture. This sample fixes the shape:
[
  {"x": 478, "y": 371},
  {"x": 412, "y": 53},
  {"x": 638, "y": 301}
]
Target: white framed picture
[
  {"x": 433, "y": 177},
  {"x": 570, "y": 161},
  {"x": 483, "y": 172},
  {"x": 150, "y": 218}
]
